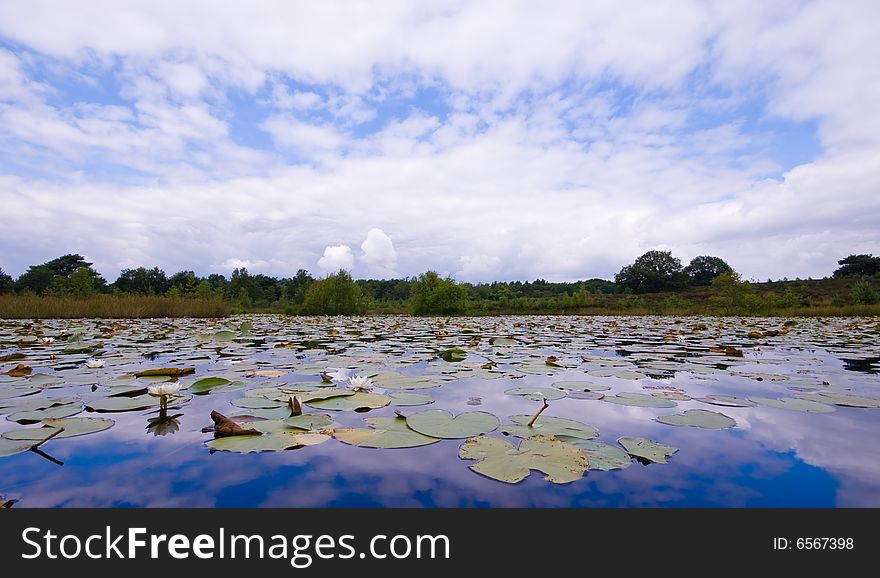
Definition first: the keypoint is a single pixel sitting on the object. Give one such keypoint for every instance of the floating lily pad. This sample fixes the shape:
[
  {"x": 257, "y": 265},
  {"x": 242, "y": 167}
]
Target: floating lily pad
[
  {"x": 384, "y": 432},
  {"x": 726, "y": 400},
  {"x": 639, "y": 400},
  {"x": 536, "y": 393},
  {"x": 55, "y": 411},
  {"x": 359, "y": 401},
  {"x": 311, "y": 421},
  {"x": 206, "y": 384},
  {"x": 795, "y": 404},
  {"x": 403, "y": 399},
  {"x": 439, "y": 423},
  {"x": 7, "y": 391},
  {"x": 580, "y": 386},
  {"x": 10, "y": 447},
  {"x": 224, "y": 335},
  {"x": 72, "y": 426},
  {"x": 273, "y": 442},
  {"x": 600, "y": 455},
  {"x": 699, "y": 418},
  {"x": 548, "y": 426},
  {"x": 500, "y": 460},
  {"x": 647, "y": 449},
  {"x": 390, "y": 380},
  {"x": 619, "y": 373},
  {"x": 453, "y": 355},
  {"x": 256, "y": 403},
  {"x": 112, "y": 404},
  {"x": 842, "y": 399},
  {"x": 594, "y": 395}
]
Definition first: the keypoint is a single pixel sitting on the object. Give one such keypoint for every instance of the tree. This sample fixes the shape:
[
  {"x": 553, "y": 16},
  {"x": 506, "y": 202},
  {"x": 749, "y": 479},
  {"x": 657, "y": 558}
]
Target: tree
[
  {"x": 701, "y": 270},
  {"x": 858, "y": 265},
  {"x": 652, "y": 272},
  {"x": 863, "y": 293},
  {"x": 431, "y": 295},
  {"x": 336, "y": 294},
  {"x": 142, "y": 281},
  {"x": 6, "y": 283},
  {"x": 186, "y": 282},
  {"x": 55, "y": 276}
]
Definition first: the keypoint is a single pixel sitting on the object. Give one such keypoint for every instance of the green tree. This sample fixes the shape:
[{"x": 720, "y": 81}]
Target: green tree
[
  {"x": 732, "y": 294},
  {"x": 431, "y": 295},
  {"x": 858, "y": 265},
  {"x": 186, "y": 282},
  {"x": 701, "y": 270},
  {"x": 652, "y": 272},
  {"x": 336, "y": 294},
  {"x": 6, "y": 283},
  {"x": 54, "y": 276},
  {"x": 142, "y": 281},
  {"x": 863, "y": 293}
]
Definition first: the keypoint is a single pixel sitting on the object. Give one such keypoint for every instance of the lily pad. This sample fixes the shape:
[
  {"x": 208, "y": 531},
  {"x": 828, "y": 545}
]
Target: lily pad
[
  {"x": 594, "y": 395},
  {"x": 500, "y": 460},
  {"x": 390, "y": 380},
  {"x": 726, "y": 400},
  {"x": 439, "y": 423},
  {"x": 601, "y": 455},
  {"x": 699, "y": 418},
  {"x": 10, "y": 447},
  {"x": 795, "y": 404},
  {"x": 402, "y": 399},
  {"x": 359, "y": 401},
  {"x": 580, "y": 386},
  {"x": 384, "y": 432},
  {"x": 536, "y": 393},
  {"x": 273, "y": 442},
  {"x": 639, "y": 400},
  {"x": 548, "y": 426},
  {"x": 113, "y": 404},
  {"x": 205, "y": 385},
  {"x": 619, "y": 373},
  {"x": 72, "y": 426},
  {"x": 7, "y": 392},
  {"x": 309, "y": 422},
  {"x": 56, "y": 411},
  {"x": 842, "y": 399},
  {"x": 647, "y": 449},
  {"x": 256, "y": 403}
]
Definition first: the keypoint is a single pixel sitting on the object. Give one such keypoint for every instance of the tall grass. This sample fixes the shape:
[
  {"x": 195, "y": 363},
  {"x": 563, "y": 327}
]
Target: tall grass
[{"x": 108, "y": 307}]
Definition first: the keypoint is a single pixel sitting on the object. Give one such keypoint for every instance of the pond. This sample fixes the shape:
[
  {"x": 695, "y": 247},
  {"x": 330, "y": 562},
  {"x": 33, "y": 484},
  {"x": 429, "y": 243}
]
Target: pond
[{"x": 640, "y": 411}]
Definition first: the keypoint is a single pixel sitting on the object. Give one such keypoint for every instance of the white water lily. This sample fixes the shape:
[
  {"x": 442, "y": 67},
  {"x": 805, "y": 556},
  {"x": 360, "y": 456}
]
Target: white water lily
[
  {"x": 94, "y": 363},
  {"x": 164, "y": 388},
  {"x": 47, "y": 339},
  {"x": 360, "y": 382},
  {"x": 338, "y": 374}
]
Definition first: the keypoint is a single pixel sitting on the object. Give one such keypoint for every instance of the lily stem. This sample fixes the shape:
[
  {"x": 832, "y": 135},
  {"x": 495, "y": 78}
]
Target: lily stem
[{"x": 535, "y": 417}]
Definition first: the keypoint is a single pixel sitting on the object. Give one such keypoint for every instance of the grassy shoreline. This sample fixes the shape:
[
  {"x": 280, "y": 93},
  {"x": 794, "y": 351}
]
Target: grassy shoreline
[{"x": 109, "y": 307}]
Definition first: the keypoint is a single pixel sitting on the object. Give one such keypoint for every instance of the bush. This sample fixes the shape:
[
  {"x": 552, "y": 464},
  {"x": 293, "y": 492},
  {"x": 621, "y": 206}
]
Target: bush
[
  {"x": 863, "y": 293},
  {"x": 431, "y": 295},
  {"x": 336, "y": 294}
]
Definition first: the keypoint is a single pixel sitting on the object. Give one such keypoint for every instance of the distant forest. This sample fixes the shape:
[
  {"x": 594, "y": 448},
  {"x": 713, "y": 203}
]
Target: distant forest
[{"x": 656, "y": 282}]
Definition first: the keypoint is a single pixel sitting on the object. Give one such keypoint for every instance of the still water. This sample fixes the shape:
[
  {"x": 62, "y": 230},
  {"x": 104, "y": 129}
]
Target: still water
[{"x": 774, "y": 455}]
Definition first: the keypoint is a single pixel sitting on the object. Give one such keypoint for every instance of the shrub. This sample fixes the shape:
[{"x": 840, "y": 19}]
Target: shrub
[
  {"x": 431, "y": 295},
  {"x": 336, "y": 294},
  {"x": 863, "y": 293}
]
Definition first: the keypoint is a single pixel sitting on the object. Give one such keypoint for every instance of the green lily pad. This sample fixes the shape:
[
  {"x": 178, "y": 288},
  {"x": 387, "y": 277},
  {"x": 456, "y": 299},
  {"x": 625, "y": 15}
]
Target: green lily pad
[
  {"x": 359, "y": 401},
  {"x": 10, "y": 447},
  {"x": 56, "y": 411},
  {"x": 647, "y": 449},
  {"x": 601, "y": 455},
  {"x": 272, "y": 442},
  {"x": 44, "y": 380},
  {"x": 310, "y": 421},
  {"x": 619, "y": 373},
  {"x": 548, "y": 426},
  {"x": 536, "y": 393},
  {"x": 500, "y": 460},
  {"x": 726, "y": 400},
  {"x": 256, "y": 403},
  {"x": 320, "y": 394},
  {"x": 206, "y": 384},
  {"x": 439, "y": 423},
  {"x": 639, "y": 400},
  {"x": 384, "y": 432},
  {"x": 72, "y": 426},
  {"x": 594, "y": 395},
  {"x": 113, "y": 404},
  {"x": 842, "y": 399},
  {"x": 8, "y": 391},
  {"x": 580, "y": 386},
  {"x": 453, "y": 355},
  {"x": 699, "y": 418},
  {"x": 390, "y": 380},
  {"x": 224, "y": 335},
  {"x": 795, "y": 404},
  {"x": 403, "y": 399}
]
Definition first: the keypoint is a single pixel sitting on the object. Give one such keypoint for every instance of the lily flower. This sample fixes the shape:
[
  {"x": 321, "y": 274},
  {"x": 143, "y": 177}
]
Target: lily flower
[
  {"x": 164, "y": 388},
  {"x": 94, "y": 363},
  {"x": 338, "y": 374},
  {"x": 360, "y": 383},
  {"x": 47, "y": 339}
]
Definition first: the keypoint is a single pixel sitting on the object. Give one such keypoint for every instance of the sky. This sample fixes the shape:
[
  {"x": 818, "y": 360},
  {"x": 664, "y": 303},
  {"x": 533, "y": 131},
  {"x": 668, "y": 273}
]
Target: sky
[{"x": 487, "y": 140}]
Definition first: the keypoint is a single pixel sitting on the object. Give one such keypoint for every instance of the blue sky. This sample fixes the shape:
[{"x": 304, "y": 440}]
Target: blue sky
[{"x": 486, "y": 140}]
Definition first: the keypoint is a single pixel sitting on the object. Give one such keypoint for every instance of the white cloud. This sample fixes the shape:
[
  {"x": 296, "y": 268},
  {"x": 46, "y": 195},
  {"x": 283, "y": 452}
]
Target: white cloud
[
  {"x": 378, "y": 254},
  {"x": 335, "y": 258}
]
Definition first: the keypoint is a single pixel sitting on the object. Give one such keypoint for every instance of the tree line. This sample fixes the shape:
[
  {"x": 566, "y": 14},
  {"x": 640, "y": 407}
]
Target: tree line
[{"x": 427, "y": 294}]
